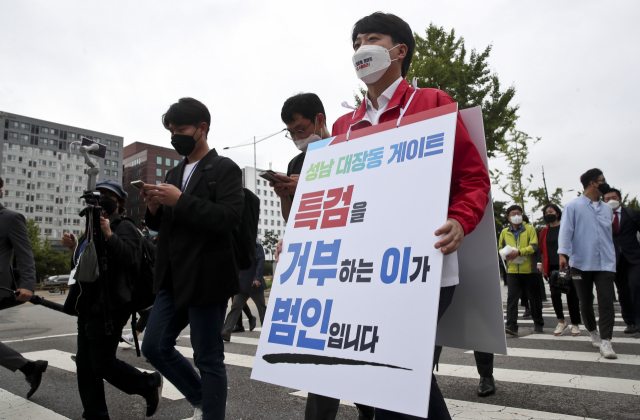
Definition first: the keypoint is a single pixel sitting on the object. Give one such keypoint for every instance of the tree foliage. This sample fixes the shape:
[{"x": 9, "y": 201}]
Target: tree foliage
[
  {"x": 515, "y": 150},
  {"x": 48, "y": 261},
  {"x": 270, "y": 242}
]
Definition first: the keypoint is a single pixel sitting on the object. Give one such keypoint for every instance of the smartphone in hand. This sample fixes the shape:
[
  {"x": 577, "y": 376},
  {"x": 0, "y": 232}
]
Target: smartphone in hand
[
  {"x": 269, "y": 176},
  {"x": 138, "y": 184}
]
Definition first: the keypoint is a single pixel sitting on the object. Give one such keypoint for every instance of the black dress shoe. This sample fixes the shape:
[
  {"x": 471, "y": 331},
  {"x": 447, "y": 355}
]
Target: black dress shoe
[
  {"x": 487, "y": 386},
  {"x": 155, "y": 397},
  {"x": 527, "y": 313},
  {"x": 238, "y": 328},
  {"x": 631, "y": 329},
  {"x": 35, "y": 377},
  {"x": 252, "y": 323}
]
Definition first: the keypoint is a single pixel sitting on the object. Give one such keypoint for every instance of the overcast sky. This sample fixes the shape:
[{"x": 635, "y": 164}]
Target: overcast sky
[{"x": 116, "y": 67}]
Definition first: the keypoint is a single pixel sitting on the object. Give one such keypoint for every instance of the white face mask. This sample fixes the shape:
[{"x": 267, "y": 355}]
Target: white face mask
[
  {"x": 614, "y": 204},
  {"x": 517, "y": 219},
  {"x": 371, "y": 62},
  {"x": 302, "y": 144}
]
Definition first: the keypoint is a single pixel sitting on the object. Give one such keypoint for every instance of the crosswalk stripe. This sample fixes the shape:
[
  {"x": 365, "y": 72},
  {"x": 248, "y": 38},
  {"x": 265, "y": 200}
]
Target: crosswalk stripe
[
  {"x": 17, "y": 408},
  {"x": 469, "y": 410},
  {"x": 62, "y": 360},
  {"x": 582, "y": 327},
  {"x": 564, "y": 380},
  {"x": 624, "y": 340},
  {"x": 578, "y": 356}
]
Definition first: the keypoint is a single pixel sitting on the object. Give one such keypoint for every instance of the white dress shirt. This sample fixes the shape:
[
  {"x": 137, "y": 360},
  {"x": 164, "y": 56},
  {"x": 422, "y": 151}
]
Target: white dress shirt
[
  {"x": 373, "y": 115},
  {"x": 449, "y": 262}
]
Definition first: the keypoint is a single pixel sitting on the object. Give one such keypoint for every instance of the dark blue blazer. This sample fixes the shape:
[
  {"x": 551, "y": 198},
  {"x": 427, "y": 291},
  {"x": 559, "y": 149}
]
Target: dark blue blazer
[
  {"x": 626, "y": 241},
  {"x": 247, "y": 277}
]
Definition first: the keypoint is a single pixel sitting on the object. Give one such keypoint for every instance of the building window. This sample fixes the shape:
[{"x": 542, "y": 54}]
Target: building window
[
  {"x": 264, "y": 183},
  {"x": 116, "y": 154},
  {"x": 116, "y": 144},
  {"x": 115, "y": 173},
  {"x": 272, "y": 213},
  {"x": 167, "y": 162},
  {"x": 159, "y": 160},
  {"x": 272, "y": 222},
  {"x": 277, "y": 205},
  {"x": 257, "y": 192},
  {"x": 45, "y": 130},
  {"x": 158, "y": 172},
  {"x": 107, "y": 172},
  {"x": 271, "y": 193},
  {"x": 176, "y": 162},
  {"x": 108, "y": 142},
  {"x": 266, "y": 212},
  {"x": 278, "y": 223},
  {"x": 272, "y": 204},
  {"x": 278, "y": 216},
  {"x": 278, "y": 234},
  {"x": 260, "y": 231},
  {"x": 8, "y": 195},
  {"x": 158, "y": 182},
  {"x": 25, "y": 126},
  {"x": 265, "y": 202}
]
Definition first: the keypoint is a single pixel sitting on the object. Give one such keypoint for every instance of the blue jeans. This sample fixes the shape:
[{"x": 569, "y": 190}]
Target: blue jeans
[
  {"x": 437, "y": 407},
  {"x": 209, "y": 389}
]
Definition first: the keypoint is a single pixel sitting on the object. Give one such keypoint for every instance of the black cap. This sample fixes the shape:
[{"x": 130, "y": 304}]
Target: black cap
[{"x": 112, "y": 186}]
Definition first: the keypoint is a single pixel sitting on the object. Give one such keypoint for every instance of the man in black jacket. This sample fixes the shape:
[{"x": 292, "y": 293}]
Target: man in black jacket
[
  {"x": 252, "y": 286},
  {"x": 625, "y": 241},
  {"x": 196, "y": 272}
]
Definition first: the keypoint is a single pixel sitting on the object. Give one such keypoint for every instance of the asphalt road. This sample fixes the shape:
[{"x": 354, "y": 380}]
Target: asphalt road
[{"x": 541, "y": 376}]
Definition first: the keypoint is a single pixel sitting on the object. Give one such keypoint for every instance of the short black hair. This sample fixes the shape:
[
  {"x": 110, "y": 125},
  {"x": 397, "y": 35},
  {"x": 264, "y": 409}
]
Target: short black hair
[
  {"x": 553, "y": 206},
  {"x": 610, "y": 191},
  {"x": 590, "y": 175},
  {"x": 388, "y": 24},
  {"x": 512, "y": 208},
  {"x": 1, "y": 182},
  {"x": 306, "y": 104},
  {"x": 187, "y": 111}
]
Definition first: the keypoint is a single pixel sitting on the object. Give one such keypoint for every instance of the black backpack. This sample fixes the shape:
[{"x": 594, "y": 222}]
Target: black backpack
[
  {"x": 246, "y": 233},
  {"x": 142, "y": 297}
]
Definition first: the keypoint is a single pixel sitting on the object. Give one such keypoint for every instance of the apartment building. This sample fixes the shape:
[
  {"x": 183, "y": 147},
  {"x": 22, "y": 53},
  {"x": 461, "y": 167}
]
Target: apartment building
[
  {"x": 270, "y": 212},
  {"x": 45, "y": 174},
  {"x": 149, "y": 163}
]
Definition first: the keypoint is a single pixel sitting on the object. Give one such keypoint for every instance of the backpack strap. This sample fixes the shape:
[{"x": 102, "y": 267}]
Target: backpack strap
[
  {"x": 632, "y": 217},
  {"x": 211, "y": 171}
]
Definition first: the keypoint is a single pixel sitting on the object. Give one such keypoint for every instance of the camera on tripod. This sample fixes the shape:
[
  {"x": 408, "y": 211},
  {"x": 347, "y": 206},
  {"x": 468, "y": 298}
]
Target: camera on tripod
[{"x": 561, "y": 280}]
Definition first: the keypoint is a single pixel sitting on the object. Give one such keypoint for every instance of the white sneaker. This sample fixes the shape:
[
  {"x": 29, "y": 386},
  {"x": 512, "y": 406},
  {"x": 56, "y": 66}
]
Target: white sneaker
[
  {"x": 596, "y": 341},
  {"x": 129, "y": 340},
  {"x": 197, "y": 414},
  {"x": 575, "y": 330},
  {"x": 560, "y": 328},
  {"x": 607, "y": 351}
]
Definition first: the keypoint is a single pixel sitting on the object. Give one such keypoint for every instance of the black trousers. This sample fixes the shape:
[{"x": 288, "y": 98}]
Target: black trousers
[
  {"x": 484, "y": 363},
  {"x": 320, "y": 407},
  {"x": 603, "y": 280},
  {"x": 628, "y": 285},
  {"x": 437, "y": 407},
  {"x": 516, "y": 284},
  {"x": 96, "y": 361},
  {"x": 572, "y": 301}
]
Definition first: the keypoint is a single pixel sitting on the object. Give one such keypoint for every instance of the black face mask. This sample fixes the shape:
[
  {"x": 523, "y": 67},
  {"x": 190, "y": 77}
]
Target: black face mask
[
  {"x": 604, "y": 188},
  {"x": 550, "y": 218},
  {"x": 108, "y": 205},
  {"x": 184, "y": 144}
]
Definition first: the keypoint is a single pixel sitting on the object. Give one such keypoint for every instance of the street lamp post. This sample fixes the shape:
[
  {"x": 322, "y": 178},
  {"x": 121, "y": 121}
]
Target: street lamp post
[{"x": 255, "y": 167}]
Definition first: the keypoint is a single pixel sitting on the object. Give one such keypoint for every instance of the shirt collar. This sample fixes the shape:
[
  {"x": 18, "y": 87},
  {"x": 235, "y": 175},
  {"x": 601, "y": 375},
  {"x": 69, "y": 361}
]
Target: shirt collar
[
  {"x": 385, "y": 98},
  {"x": 520, "y": 226}
]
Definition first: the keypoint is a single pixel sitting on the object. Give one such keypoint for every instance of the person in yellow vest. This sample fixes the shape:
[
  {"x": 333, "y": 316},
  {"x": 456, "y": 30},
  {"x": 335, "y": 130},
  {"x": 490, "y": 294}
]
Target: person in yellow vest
[{"x": 518, "y": 242}]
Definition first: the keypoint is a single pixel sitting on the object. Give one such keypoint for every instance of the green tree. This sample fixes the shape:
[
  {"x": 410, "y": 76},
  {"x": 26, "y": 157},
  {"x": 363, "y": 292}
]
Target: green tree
[
  {"x": 442, "y": 61},
  {"x": 500, "y": 216},
  {"x": 270, "y": 242},
  {"x": 515, "y": 150},
  {"x": 47, "y": 260}
]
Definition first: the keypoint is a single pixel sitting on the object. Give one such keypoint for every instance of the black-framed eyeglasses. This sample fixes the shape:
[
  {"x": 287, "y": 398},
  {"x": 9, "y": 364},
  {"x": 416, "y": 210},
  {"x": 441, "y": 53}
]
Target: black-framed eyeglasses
[{"x": 296, "y": 134}]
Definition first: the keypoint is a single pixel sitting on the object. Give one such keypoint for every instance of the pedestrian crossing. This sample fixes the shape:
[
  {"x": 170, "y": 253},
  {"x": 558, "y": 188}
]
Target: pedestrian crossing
[{"x": 16, "y": 407}]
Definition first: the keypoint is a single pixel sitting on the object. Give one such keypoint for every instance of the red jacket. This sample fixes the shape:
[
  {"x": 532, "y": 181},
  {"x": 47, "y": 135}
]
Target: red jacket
[
  {"x": 470, "y": 183},
  {"x": 542, "y": 246}
]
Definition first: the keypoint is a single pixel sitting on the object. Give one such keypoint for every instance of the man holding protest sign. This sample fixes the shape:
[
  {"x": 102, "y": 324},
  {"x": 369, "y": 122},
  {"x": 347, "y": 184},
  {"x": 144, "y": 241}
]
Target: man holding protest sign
[{"x": 384, "y": 47}]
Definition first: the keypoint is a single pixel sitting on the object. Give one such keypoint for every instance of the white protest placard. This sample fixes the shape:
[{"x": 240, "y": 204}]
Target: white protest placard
[{"x": 358, "y": 269}]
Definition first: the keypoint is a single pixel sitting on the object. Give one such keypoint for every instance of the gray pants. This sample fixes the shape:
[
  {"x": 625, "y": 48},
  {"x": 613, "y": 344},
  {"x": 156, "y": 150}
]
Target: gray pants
[
  {"x": 604, "y": 288},
  {"x": 11, "y": 359},
  {"x": 239, "y": 301}
]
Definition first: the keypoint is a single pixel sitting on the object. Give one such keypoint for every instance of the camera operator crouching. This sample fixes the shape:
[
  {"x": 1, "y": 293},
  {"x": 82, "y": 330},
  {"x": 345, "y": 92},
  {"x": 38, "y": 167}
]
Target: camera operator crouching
[{"x": 96, "y": 357}]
